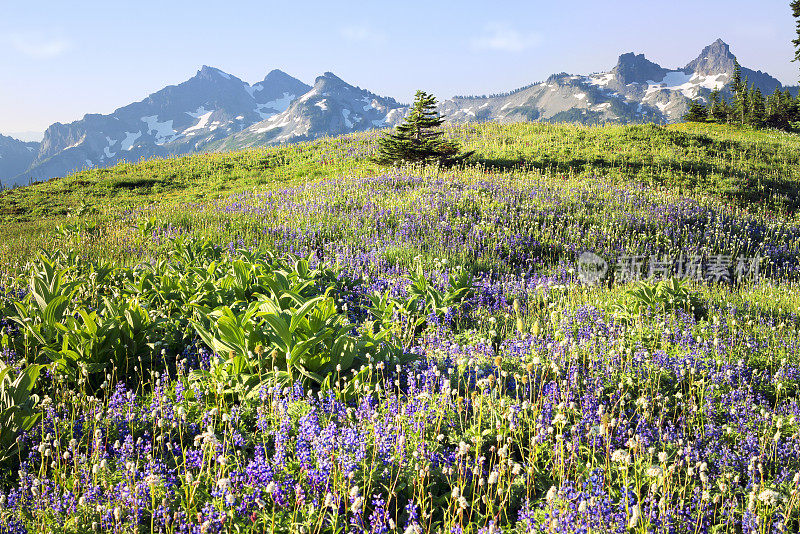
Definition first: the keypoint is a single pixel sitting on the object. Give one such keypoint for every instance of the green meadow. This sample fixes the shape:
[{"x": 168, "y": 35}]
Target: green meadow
[{"x": 296, "y": 339}]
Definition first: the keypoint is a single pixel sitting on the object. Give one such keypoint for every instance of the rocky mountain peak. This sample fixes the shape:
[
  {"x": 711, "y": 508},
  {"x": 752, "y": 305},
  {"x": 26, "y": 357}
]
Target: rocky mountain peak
[
  {"x": 635, "y": 68},
  {"x": 277, "y": 75},
  {"x": 716, "y": 58},
  {"x": 279, "y": 81},
  {"x": 330, "y": 80},
  {"x": 212, "y": 74}
]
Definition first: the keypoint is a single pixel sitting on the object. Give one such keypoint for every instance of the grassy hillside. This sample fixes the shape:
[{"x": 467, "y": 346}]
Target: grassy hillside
[
  {"x": 754, "y": 170},
  {"x": 295, "y": 338},
  {"x": 735, "y": 164}
]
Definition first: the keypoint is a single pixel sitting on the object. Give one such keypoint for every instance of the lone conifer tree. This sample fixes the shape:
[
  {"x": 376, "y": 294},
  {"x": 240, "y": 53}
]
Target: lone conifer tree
[
  {"x": 697, "y": 112},
  {"x": 420, "y": 138}
]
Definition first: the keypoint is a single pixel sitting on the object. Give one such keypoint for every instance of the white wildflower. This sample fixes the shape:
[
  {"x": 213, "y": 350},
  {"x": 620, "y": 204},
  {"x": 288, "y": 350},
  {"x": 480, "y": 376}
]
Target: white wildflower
[
  {"x": 621, "y": 456},
  {"x": 771, "y": 497}
]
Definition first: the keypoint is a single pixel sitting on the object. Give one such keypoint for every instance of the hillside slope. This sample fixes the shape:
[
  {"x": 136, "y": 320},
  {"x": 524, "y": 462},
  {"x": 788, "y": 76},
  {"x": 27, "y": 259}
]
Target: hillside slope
[{"x": 755, "y": 169}]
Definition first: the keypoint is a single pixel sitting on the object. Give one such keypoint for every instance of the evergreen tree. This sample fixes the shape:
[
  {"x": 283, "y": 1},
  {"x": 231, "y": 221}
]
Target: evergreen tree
[
  {"x": 795, "y": 5},
  {"x": 788, "y": 108},
  {"x": 739, "y": 90},
  {"x": 741, "y": 103},
  {"x": 736, "y": 81},
  {"x": 775, "y": 114},
  {"x": 713, "y": 104},
  {"x": 718, "y": 109},
  {"x": 774, "y": 102},
  {"x": 756, "y": 109},
  {"x": 792, "y": 107},
  {"x": 420, "y": 138},
  {"x": 697, "y": 112},
  {"x": 787, "y": 100},
  {"x": 725, "y": 112}
]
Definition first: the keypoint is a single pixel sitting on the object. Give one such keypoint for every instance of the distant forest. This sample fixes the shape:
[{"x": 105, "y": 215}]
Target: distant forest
[{"x": 748, "y": 106}]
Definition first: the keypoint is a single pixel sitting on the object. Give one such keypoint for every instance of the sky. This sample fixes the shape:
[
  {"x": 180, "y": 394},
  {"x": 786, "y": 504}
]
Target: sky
[{"x": 60, "y": 60}]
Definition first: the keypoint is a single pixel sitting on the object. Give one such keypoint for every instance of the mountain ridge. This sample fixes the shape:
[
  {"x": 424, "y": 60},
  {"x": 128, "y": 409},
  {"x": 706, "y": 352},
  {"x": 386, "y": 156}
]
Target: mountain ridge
[
  {"x": 332, "y": 106},
  {"x": 636, "y": 89},
  {"x": 177, "y": 119},
  {"x": 214, "y": 110}
]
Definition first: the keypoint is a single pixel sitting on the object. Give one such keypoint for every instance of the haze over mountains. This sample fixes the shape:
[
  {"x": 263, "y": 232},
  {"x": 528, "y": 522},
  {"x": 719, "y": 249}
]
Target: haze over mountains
[{"x": 215, "y": 110}]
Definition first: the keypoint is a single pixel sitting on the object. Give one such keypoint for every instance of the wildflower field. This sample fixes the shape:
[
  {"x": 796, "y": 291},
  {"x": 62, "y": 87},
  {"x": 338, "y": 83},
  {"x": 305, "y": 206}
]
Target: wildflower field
[{"x": 294, "y": 339}]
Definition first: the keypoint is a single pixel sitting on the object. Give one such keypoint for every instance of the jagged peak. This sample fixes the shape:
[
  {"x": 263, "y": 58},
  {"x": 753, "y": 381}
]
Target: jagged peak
[
  {"x": 717, "y": 48},
  {"x": 631, "y": 58},
  {"x": 715, "y": 58},
  {"x": 329, "y": 77},
  {"x": 211, "y": 72},
  {"x": 635, "y": 68}
]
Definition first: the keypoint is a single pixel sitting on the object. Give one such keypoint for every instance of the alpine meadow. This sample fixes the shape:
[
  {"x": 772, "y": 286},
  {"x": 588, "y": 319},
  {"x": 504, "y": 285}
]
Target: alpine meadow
[{"x": 419, "y": 325}]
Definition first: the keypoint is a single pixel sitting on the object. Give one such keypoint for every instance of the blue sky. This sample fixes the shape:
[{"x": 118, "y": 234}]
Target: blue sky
[{"x": 61, "y": 60}]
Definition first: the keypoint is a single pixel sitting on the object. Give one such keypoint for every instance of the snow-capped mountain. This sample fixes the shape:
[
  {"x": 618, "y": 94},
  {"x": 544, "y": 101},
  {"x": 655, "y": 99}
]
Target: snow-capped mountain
[
  {"x": 15, "y": 155},
  {"x": 175, "y": 120},
  {"x": 217, "y": 111},
  {"x": 635, "y": 90},
  {"x": 331, "y": 107}
]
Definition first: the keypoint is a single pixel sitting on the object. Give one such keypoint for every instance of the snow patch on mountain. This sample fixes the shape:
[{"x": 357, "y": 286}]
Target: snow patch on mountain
[
  {"x": 130, "y": 139},
  {"x": 395, "y": 115},
  {"x": 162, "y": 131},
  {"x": 346, "y": 117},
  {"x": 279, "y": 105},
  {"x": 203, "y": 117},
  {"x": 602, "y": 79},
  {"x": 199, "y": 112},
  {"x": 371, "y": 103},
  {"x": 688, "y": 84},
  {"x": 711, "y": 82}
]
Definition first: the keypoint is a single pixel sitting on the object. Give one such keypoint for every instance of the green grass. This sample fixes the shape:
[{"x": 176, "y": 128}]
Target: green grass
[
  {"x": 744, "y": 166},
  {"x": 757, "y": 171},
  {"x": 187, "y": 178}
]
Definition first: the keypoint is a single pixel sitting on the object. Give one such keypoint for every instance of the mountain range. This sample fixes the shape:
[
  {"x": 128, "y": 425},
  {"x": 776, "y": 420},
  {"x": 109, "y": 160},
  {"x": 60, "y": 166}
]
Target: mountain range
[
  {"x": 635, "y": 90},
  {"x": 215, "y": 111}
]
